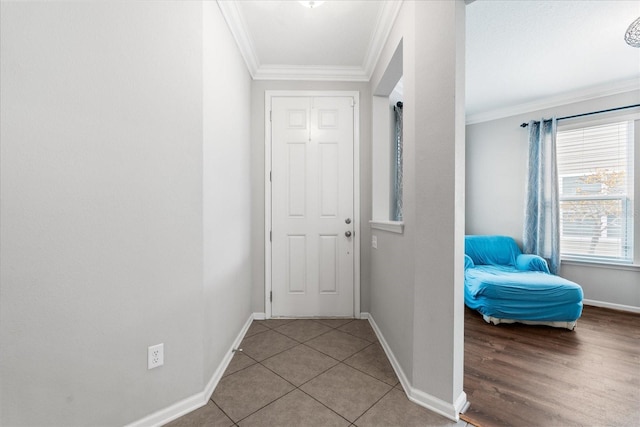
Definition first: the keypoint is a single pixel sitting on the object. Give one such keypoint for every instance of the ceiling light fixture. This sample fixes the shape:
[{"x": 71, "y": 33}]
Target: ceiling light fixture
[
  {"x": 632, "y": 36},
  {"x": 311, "y": 4}
]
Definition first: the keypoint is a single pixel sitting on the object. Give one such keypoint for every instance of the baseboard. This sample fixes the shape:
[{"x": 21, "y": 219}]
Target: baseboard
[
  {"x": 439, "y": 406},
  {"x": 263, "y": 316},
  {"x": 219, "y": 372},
  {"x": 392, "y": 358},
  {"x": 172, "y": 412},
  {"x": 198, "y": 400},
  {"x": 611, "y": 305},
  {"x": 432, "y": 403}
]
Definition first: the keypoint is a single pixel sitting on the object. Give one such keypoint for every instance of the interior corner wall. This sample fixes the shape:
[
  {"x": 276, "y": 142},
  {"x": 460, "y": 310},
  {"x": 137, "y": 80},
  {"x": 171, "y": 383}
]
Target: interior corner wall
[
  {"x": 227, "y": 201},
  {"x": 496, "y": 161},
  {"x": 416, "y": 276},
  {"x": 258, "y": 88}
]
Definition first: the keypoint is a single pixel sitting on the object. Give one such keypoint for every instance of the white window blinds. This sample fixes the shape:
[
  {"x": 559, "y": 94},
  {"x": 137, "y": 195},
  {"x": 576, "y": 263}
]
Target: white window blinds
[{"x": 595, "y": 178}]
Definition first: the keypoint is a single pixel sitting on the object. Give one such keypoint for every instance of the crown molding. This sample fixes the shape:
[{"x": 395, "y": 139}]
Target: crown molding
[
  {"x": 580, "y": 95},
  {"x": 384, "y": 23},
  {"x": 318, "y": 73},
  {"x": 386, "y": 17},
  {"x": 238, "y": 26}
]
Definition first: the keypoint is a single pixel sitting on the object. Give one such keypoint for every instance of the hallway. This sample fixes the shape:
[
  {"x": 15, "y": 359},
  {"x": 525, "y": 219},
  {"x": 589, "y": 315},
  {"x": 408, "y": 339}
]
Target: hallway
[{"x": 321, "y": 372}]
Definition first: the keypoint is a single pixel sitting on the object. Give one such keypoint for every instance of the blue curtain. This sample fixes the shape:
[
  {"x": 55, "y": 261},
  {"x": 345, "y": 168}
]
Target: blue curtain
[
  {"x": 396, "y": 198},
  {"x": 542, "y": 212}
]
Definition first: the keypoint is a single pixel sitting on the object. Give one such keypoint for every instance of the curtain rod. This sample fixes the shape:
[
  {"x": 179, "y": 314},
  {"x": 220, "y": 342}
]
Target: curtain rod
[{"x": 524, "y": 125}]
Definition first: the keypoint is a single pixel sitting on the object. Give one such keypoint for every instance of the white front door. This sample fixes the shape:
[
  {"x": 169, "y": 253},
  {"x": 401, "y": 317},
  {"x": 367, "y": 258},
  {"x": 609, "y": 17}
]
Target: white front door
[{"x": 312, "y": 263}]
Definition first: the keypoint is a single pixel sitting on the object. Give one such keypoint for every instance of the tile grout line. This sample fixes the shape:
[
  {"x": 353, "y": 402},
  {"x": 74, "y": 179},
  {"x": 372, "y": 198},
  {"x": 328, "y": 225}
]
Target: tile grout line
[
  {"x": 277, "y": 374},
  {"x": 299, "y": 343},
  {"x": 302, "y": 342},
  {"x": 391, "y": 387},
  {"x": 317, "y": 336},
  {"x": 273, "y": 401},
  {"x": 369, "y": 375},
  {"x": 222, "y": 410},
  {"x": 287, "y": 349},
  {"x": 294, "y": 320},
  {"x": 289, "y": 392},
  {"x": 364, "y": 360},
  {"x": 330, "y": 367},
  {"x": 374, "y": 404},
  {"x": 320, "y": 351},
  {"x": 275, "y": 354},
  {"x": 307, "y": 394},
  {"x": 283, "y": 351},
  {"x": 311, "y": 379}
]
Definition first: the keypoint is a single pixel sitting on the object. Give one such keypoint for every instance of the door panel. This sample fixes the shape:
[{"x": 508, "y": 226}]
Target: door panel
[
  {"x": 328, "y": 262},
  {"x": 297, "y": 263},
  {"x": 312, "y": 197},
  {"x": 329, "y": 179},
  {"x": 296, "y": 179}
]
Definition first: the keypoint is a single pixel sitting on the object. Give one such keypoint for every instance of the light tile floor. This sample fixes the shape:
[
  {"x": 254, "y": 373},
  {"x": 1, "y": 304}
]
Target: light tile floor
[{"x": 306, "y": 373}]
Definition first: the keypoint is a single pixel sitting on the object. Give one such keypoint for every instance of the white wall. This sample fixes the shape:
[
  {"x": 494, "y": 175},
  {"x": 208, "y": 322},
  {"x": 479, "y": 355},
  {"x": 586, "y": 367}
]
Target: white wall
[
  {"x": 102, "y": 228},
  {"x": 258, "y": 88},
  {"x": 496, "y": 174},
  {"x": 227, "y": 189},
  {"x": 416, "y": 277}
]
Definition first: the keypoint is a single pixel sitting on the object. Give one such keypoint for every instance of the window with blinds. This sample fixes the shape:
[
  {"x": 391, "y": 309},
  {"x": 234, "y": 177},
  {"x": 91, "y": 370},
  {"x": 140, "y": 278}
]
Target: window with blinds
[{"x": 595, "y": 178}]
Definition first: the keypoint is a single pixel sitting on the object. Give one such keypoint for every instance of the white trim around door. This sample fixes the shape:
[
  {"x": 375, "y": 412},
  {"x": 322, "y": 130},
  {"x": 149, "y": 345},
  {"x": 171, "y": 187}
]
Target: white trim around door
[{"x": 269, "y": 94}]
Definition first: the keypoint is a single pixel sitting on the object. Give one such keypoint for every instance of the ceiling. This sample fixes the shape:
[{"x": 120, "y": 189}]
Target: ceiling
[
  {"x": 520, "y": 55},
  {"x": 283, "y": 40},
  {"x": 525, "y": 55}
]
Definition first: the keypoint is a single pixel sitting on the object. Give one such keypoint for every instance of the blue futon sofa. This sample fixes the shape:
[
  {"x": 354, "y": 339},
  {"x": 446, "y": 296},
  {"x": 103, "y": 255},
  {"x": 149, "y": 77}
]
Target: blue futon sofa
[{"x": 507, "y": 286}]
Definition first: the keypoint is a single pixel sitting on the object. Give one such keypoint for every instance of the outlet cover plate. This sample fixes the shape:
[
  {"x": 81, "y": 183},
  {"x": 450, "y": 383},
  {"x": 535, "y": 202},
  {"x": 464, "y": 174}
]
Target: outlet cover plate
[{"x": 155, "y": 356}]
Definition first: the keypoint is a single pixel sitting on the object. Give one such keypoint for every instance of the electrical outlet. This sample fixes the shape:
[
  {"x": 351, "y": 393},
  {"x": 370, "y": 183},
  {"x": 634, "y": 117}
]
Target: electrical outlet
[
  {"x": 155, "y": 356},
  {"x": 374, "y": 242}
]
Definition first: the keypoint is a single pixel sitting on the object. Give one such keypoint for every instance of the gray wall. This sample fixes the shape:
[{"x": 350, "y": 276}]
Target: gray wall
[
  {"x": 106, "y": 239},
  {"x": 258, "y": 88},
  {"x": 496, "y": 174},
  {"x": 393, "y": 261},
  {"x": 227, "y": 190},
  {"x": 416, "y": 277}
]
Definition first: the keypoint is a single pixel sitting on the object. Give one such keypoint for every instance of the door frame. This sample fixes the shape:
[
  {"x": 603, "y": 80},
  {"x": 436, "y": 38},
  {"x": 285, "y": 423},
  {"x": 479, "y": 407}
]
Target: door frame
[{"x": 269, "y": 94}]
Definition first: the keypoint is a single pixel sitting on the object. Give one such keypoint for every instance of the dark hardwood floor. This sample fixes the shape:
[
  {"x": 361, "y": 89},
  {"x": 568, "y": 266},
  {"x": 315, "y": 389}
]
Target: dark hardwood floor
[{"x": 519, "y": 375}]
